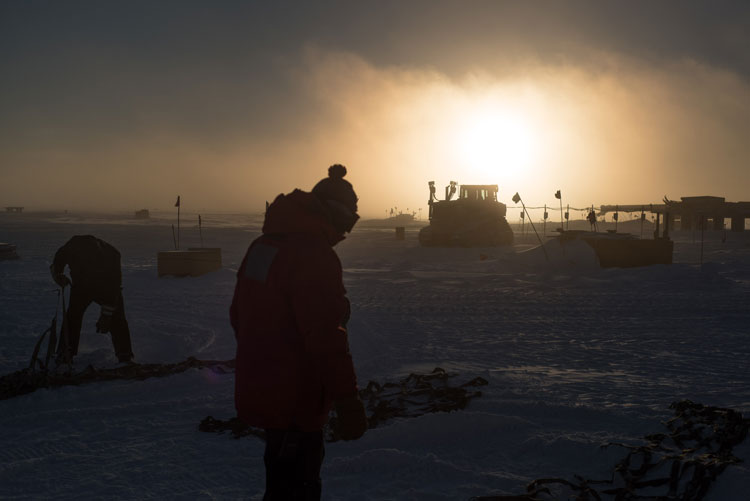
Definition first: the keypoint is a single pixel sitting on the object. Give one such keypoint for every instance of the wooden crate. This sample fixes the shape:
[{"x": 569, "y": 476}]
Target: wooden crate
[
  {"x": 192, "y": 262},
  {"x": 8, "y": 251}
]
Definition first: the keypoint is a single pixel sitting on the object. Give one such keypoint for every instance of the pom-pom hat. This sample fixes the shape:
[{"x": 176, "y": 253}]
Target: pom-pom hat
[{"x": 339, "y": 198}]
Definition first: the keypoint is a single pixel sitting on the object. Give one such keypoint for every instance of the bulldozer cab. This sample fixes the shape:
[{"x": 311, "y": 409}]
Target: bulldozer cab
[{"x": 478, "y": 192}]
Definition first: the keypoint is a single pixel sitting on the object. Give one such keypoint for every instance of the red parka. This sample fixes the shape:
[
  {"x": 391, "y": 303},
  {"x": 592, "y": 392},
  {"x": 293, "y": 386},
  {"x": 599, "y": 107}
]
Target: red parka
[{"x": 293, "y": 356}]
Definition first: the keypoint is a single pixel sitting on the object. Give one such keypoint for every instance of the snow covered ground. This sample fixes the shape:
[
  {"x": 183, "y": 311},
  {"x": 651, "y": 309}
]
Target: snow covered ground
[{"x": 575, "y": 356}]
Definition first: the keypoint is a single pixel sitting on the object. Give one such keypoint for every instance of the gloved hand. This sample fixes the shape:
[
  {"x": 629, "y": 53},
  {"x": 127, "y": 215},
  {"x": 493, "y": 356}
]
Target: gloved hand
[
  {"x": 351, "y": 418},
  {"x": 347, "y": 313},
  {"x": 104, "y": 324},
  {"x": 59, "y": 277}
]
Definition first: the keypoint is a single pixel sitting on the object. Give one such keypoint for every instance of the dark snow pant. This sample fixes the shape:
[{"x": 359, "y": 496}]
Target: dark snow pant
[
  {"x": 293, "y": 460},
  {"x": 80, "y": 299}
]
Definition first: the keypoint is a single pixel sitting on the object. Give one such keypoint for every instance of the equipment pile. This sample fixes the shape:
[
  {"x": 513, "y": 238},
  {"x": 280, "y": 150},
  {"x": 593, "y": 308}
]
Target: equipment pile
[
  {"x": 413, "y": 396},
  {"x": 678, "y": 465}
]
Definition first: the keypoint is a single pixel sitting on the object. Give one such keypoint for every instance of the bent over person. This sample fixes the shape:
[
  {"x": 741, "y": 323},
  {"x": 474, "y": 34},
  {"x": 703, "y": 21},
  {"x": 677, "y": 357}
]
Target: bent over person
[
  {"x": 96, "y": 277},
  {"x": 289, "y": 314}
]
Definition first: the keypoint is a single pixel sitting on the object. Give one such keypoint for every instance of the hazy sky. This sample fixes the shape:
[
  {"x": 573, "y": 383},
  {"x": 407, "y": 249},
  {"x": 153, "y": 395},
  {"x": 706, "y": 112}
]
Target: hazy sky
[{"x": 124, "y": 105}]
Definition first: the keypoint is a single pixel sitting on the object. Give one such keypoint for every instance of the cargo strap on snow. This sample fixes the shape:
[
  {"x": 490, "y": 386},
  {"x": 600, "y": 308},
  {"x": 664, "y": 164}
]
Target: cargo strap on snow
[
  {"x": 413, "y": 396},
  {"x": 678, "y": 465},
  {"x": 237, "y": 428},
  {"x": 52, "y": 340},
  {"x": 416, "y": 395},
  {"x": 29, "y": 380}
]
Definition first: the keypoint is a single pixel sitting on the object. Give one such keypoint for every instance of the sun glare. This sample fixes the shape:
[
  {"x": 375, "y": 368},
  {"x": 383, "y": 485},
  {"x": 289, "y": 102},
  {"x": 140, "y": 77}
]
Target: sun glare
[{"x": 495, "y": 145}]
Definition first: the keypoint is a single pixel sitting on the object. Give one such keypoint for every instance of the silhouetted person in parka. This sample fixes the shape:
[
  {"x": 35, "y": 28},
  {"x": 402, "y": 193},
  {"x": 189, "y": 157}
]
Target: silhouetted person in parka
[
  {"x": 96, "y": 277},
  {"x": 289, "y": 314},
  {"x": 592, "y": 219}
]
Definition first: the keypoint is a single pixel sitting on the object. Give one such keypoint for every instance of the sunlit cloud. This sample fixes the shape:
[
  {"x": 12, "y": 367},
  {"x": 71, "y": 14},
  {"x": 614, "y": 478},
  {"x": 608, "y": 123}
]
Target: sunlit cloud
[
  {"x": 614, "y": 129},
  {"x": 619, "y": 132}
]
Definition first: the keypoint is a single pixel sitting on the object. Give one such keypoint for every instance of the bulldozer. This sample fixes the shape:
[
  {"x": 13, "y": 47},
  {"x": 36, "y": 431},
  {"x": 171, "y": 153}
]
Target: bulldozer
[{"x": 474, "y": 219}]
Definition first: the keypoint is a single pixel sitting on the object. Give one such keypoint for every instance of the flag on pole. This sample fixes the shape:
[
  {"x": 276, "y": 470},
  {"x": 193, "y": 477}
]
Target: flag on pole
[
  {"x": 516, "y": 198},
  {"x": 177, "y": 203},
  {"x": 557, "y": 194}
]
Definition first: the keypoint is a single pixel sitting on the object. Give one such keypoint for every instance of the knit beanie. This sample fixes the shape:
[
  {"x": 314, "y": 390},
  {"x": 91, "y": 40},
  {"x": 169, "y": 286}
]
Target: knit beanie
[
  {"x": 334, "y": 187},
  {"x": 338, "y": 197}
]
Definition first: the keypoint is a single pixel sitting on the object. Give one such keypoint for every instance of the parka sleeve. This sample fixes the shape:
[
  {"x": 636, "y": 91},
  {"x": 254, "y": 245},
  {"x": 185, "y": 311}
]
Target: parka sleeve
[
  {"x": 234, "y": 307},
  {"x": 319, "y": 303},
  {"x": 61, "y": 259}
]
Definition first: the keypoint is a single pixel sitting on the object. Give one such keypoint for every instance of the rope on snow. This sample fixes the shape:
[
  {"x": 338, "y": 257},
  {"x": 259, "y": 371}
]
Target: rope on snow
[{"x": 29, "y": 380}]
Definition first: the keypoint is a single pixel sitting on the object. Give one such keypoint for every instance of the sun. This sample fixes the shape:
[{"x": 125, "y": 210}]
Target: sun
[{"x": 495, "y": 144}]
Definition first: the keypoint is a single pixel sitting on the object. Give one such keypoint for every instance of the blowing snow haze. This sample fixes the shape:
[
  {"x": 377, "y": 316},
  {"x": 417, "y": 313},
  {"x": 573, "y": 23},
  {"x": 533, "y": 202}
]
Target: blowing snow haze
[{"x": 124, "y": 105}]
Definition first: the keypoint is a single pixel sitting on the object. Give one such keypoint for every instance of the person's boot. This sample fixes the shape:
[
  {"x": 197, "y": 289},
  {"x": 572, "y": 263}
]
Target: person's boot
[{"x": 125, "y": 361}]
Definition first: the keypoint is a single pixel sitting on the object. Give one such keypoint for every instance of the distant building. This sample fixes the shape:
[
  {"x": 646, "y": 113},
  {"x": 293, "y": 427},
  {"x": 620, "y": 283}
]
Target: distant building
[
  {"x": 14, "y": 209},
  {"x": 142, "y": 214},
  {"x": 692, "y": 212},
  {"x": 711, "y": 212}
]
